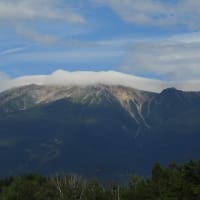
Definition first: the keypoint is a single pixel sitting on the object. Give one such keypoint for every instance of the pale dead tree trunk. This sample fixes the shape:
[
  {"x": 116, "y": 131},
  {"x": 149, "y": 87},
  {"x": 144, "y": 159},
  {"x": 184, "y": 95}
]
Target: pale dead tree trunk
[
  {"x": 118, "y": 192},
  {"x": 83, "y": 188},
  {"x": 75, "y": 184},
  {"x": 58, "y": 184},
  {"x": 73, "y": 181},
  {"x": 78, "y": 186}
]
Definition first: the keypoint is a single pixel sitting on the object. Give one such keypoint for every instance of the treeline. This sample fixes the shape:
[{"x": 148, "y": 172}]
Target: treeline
[{"x": 175, "y": 182}]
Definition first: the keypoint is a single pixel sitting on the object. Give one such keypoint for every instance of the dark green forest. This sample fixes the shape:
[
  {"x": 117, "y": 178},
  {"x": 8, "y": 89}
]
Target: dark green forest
[{"x": 174, "y": 182}]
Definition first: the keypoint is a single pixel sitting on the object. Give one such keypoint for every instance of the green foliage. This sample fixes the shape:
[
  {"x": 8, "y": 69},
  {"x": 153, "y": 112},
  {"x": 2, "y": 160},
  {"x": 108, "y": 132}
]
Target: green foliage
[{"x": 175, "y": 182}]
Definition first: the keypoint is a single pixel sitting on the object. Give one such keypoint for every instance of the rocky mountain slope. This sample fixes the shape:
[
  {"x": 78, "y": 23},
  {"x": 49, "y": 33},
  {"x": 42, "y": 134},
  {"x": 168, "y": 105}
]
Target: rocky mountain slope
[{"x": 107, "y": 131}]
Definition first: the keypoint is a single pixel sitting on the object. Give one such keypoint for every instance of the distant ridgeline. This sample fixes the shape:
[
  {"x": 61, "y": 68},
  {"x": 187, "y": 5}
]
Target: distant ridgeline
[{"x": 175, "y": 182}]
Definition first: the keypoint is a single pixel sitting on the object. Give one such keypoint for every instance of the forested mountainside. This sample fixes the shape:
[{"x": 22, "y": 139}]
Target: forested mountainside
[{"x": 107, "y": 131}]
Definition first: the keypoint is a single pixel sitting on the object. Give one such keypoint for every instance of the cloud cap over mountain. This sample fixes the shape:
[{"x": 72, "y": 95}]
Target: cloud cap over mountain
[{"x": 61, "y": 77}]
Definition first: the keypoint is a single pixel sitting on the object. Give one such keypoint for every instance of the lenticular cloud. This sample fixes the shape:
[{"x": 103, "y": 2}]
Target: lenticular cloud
[
  {"x": 84, "y": 78},
  {"x": 61, "y": 77}
]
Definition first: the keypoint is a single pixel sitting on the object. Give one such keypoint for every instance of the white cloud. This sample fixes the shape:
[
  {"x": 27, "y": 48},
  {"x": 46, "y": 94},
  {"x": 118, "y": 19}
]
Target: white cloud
[
  {"x": 20, "y": 10},
  {"x": 82, "y": 78},
  {"x": 17, "y": 12},
  {"x": 176, "y": 58},
  {"x": 81, "y": 56},
  {"x": 4, "y": 81},
  {"x": 61, "y": 77},
  {"x": 184, "y": 13},
  {"x": 192, "y": 37},
  {"x": 36, "y": 36}
]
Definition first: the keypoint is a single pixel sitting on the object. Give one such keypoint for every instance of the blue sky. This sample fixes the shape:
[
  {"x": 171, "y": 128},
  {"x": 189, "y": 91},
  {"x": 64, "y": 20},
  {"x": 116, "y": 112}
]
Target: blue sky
[{"x": 150, "y": 38}]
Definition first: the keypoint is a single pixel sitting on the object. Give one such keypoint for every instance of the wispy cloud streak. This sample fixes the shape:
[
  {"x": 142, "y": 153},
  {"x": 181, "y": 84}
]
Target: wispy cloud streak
[{"x": 12, "y": 51}]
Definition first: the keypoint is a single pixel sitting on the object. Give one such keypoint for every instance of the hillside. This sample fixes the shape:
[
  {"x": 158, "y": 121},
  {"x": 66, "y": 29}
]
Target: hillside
[{"x": 107, "y": 131}]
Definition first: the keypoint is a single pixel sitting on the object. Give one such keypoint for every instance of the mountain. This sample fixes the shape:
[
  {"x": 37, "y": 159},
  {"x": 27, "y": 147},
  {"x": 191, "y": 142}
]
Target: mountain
[{"x": 107, "y": 131}]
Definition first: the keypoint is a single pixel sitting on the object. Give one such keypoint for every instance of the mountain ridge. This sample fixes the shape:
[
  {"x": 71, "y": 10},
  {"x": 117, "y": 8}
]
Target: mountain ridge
[
  {"x": 86, "y": 94},
  {"x": 82, "y": 129}
]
